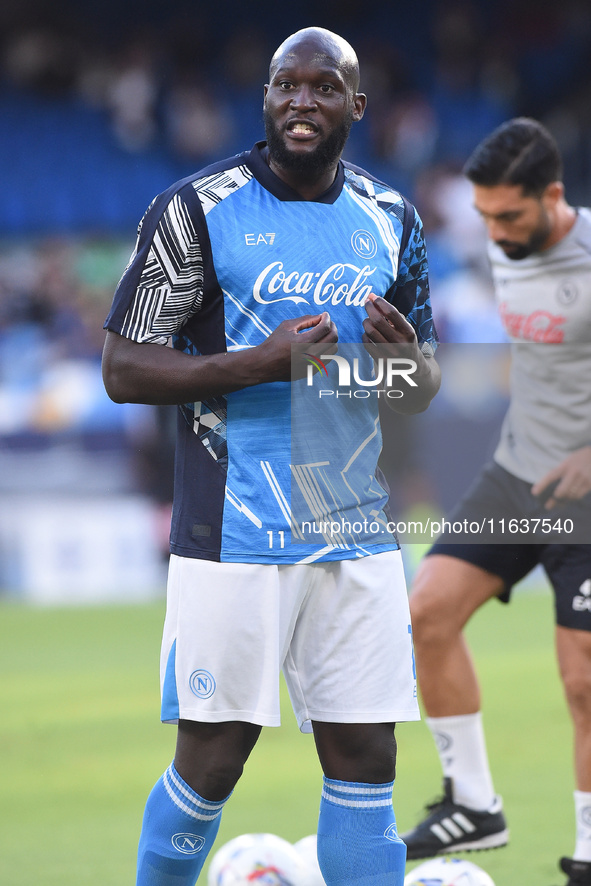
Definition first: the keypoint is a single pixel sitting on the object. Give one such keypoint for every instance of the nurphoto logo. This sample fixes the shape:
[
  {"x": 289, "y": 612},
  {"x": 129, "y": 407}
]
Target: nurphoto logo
[{"x": 386, "y": 371}]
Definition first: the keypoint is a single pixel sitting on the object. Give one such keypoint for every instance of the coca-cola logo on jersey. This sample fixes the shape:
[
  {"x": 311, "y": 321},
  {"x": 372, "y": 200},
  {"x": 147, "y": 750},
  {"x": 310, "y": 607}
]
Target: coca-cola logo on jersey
[
  {"x": 538, "y": 326},
  {"x": 338, "y": 283}
]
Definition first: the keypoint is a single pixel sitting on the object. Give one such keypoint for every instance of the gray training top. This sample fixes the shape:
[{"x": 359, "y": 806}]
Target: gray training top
[{"x": 545, "y": 305}]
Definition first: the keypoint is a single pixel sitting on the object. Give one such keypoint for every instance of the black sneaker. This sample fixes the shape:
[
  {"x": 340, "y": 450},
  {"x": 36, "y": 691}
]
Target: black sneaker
[
  {"x": 579, "y": 872},
  {"x": 450, "y": 827}
]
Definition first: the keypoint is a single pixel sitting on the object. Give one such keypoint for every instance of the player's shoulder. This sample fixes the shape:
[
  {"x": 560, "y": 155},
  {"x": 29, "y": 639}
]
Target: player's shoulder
[
  {"x": 368, "y": 186},
  {"x": 583, "y": 224},
  {"x": 575, "y": 247},
  {"x": 210, "y": 184}
]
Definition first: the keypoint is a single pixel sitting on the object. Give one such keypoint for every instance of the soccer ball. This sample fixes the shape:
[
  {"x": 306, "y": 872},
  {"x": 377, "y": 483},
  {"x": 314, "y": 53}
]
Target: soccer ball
[
  {"x": 307, "y": 848},
  {"x": 258, "y": 860},
  {"x": 447, "y": 872}
]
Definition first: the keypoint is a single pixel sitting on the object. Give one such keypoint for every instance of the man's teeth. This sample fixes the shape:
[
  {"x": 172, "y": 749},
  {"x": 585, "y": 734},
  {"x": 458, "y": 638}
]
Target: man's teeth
[{"x": 301, "y": 127}]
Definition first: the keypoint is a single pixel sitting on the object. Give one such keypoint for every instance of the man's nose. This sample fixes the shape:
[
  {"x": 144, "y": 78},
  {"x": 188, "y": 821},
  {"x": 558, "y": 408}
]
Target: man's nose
[
  {"x": 303, "y": 98},
  {"x": 496, "y": 230}
]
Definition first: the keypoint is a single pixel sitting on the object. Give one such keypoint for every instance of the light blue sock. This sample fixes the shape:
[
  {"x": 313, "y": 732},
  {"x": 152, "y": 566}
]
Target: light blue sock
[
  {"x": 178, "y": 830},
  {"x": 357, "y": 839}
]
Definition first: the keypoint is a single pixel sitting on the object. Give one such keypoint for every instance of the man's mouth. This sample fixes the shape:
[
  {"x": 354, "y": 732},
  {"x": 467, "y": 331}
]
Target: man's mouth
[
  {"x": 515, "y": 251},
  {"x": 301, "y": 129}
]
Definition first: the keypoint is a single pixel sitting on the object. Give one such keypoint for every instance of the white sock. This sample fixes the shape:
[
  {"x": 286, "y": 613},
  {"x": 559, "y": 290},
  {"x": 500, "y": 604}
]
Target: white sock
[
  {"x": 583, "y": 818},
  {"x": 462, "y": 751}
]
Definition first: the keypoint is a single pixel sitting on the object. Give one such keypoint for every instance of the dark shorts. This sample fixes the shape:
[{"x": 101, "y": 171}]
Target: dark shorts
[{"x": 512, "y": 549}]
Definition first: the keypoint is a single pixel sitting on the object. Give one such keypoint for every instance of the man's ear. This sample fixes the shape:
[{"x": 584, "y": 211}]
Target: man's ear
[
  {"x": 553, "y": 193},
  {"x": 359, "y": 105}
]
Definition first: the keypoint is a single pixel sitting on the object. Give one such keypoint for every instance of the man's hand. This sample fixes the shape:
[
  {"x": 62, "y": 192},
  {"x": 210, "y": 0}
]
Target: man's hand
[
  {"x": 276, "y": 350},
  {"x": 572, "y": 478},
  {"x": 385, "y": 325}
]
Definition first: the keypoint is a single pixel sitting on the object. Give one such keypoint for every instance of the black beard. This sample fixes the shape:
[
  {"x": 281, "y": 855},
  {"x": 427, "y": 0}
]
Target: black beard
[
  {"x": 314, "y": 163},
  {"x": 516, "y": 251},
  {"x": 519, "y": 251}
]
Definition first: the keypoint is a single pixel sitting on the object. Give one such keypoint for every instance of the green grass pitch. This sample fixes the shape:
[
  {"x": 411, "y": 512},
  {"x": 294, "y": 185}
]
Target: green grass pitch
[{"x": 81, "y": 746}]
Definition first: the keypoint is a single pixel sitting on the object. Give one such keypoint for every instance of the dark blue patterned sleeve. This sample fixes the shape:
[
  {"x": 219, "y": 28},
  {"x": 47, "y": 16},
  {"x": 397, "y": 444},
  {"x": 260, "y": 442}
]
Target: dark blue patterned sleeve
[{"x": 412, "y": 284}]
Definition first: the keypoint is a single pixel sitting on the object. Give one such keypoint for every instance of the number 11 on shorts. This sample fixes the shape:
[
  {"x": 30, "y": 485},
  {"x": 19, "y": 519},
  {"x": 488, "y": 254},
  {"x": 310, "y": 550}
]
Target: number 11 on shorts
[{"x": 281, "y": 535}]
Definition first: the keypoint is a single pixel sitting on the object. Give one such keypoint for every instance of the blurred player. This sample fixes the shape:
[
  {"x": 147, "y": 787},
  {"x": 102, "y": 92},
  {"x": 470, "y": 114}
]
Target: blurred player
[
  {"x": 279, "y": 246},
  {"x": 540, "y": 252}
]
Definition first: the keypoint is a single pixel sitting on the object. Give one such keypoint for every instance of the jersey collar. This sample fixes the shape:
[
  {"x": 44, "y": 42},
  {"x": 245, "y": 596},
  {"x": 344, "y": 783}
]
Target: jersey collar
[{"x": 267, "y": 178}]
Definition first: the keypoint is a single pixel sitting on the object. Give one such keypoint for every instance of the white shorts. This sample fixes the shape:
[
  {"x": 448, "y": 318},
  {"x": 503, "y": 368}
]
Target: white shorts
[{"x": 339, "y": 630}]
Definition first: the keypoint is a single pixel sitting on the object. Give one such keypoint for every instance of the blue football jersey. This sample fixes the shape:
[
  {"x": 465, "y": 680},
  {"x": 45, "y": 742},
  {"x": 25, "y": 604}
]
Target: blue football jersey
[{"x": 274, "y": 473}]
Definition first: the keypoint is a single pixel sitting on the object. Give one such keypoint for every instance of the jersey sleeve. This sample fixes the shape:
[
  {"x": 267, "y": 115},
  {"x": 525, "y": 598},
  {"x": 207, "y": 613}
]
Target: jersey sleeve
[
  {"x": 162, "y": 285},
  {"x": 411, "y": 290}
]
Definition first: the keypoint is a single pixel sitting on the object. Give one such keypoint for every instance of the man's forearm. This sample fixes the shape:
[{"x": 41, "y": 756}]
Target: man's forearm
[
  {"x": 157, "y": 375},
  {"x": 135, "y": 372}
]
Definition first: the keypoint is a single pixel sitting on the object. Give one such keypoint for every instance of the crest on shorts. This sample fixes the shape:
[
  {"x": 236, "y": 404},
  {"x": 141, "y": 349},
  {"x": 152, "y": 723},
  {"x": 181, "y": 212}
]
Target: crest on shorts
[{"x": 202, "y": 684}]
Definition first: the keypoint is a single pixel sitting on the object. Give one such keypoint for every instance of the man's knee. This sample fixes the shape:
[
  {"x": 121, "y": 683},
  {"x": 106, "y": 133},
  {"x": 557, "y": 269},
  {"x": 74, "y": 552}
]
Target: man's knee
[
  {"x": 213, "y": 780},
  {"x": 577, "y": 688},
  {"x": 430, "y": 607},
  {"x": 210, "y": 757},
  {"x": 445, "y": 593},
  {"x": 363, "y": 752}
]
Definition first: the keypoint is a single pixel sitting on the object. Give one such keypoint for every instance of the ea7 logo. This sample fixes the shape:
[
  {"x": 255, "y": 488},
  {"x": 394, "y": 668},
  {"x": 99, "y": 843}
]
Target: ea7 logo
[
  {"x": 259, "y": 239},
  {"x": 583, "y": 602}
]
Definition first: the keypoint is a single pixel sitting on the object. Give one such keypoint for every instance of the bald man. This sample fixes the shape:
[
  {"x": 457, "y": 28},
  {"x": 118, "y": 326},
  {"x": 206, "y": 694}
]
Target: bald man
[{"x": 283, "y": 245}]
